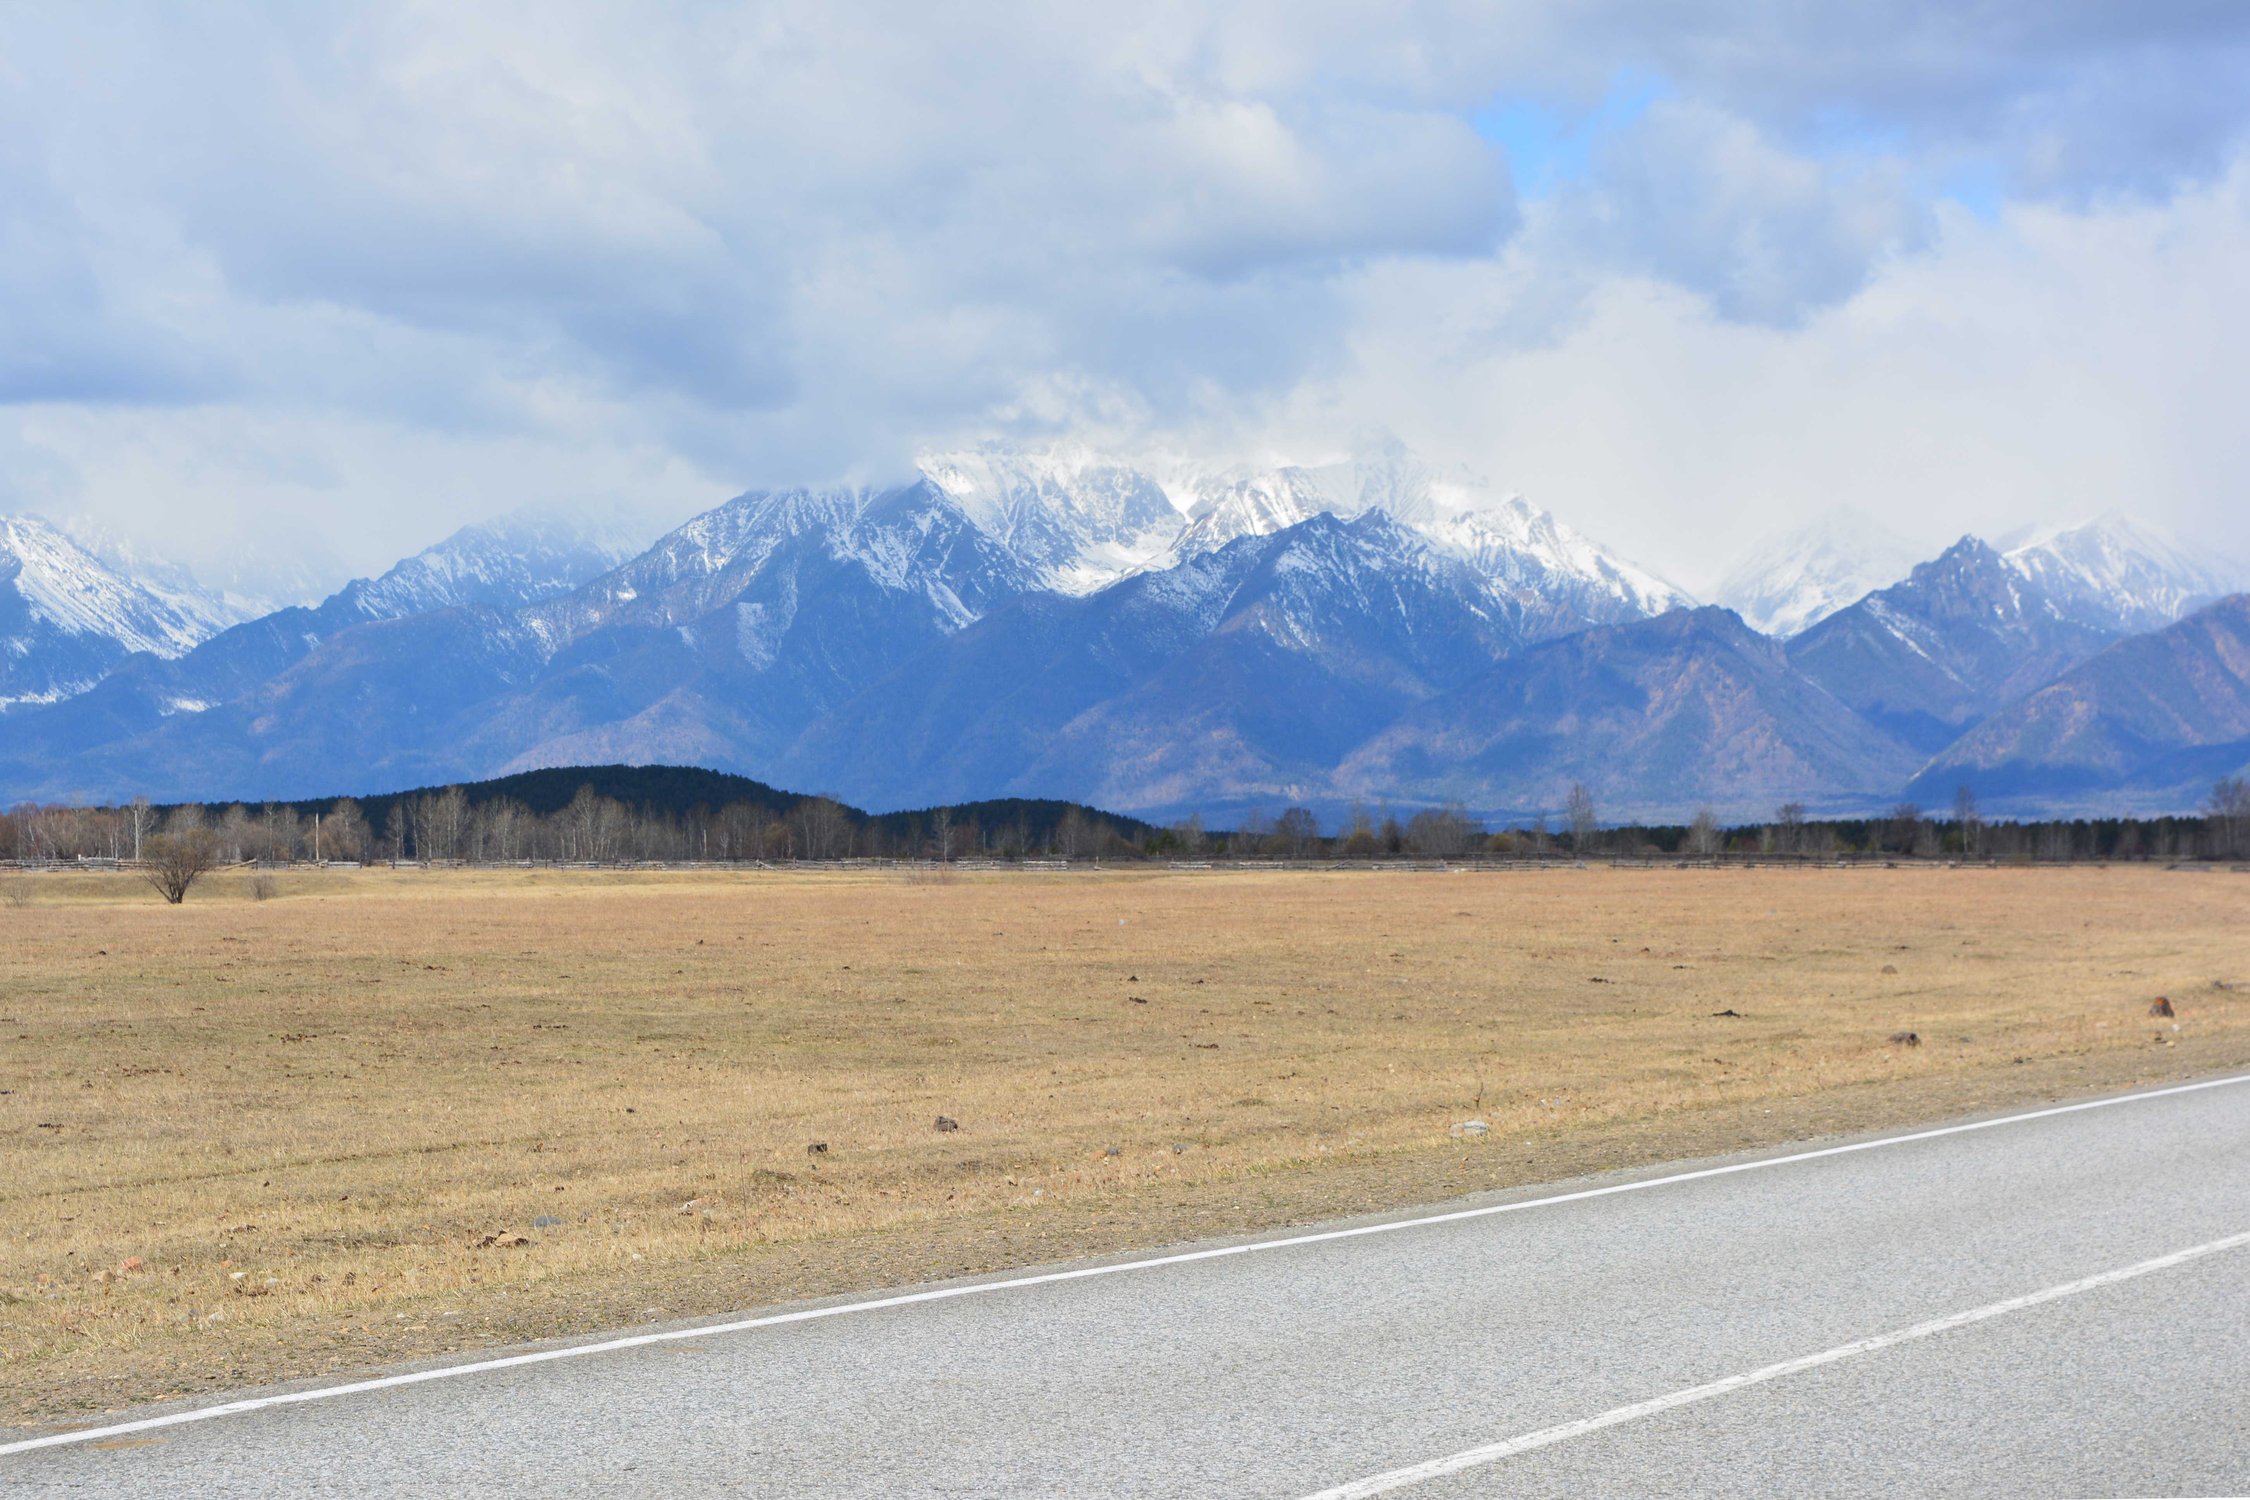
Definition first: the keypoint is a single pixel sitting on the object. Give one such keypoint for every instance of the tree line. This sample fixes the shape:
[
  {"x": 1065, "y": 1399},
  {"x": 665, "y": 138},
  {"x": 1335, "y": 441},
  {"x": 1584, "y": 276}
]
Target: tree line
[
  {"x": 450, "y": 825},
  {"x": 481, "y": 823}
]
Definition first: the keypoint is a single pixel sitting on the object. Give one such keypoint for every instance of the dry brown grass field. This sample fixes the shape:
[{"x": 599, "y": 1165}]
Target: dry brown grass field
[{"x": 389, "y": 1114}]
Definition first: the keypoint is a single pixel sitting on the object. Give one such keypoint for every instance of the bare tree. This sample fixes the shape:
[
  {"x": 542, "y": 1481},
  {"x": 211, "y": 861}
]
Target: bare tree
[
  {"x": 141, "y": 819},
  {"x": 1703, "y": 833},
  {"x": 2230, "y": 817},
  {"x": 592, "y": 827},
  {"x": 234, "y": 833},
  {"x": 1789, "y": 828},
  {"x": 284, "y": 833},
  {"x": 741, "y": 828},
  {"x": 344, "y": 832},
  {"x": 174, "y": 861},
  {"x": 1298, "y": 830},
  {"x": 1359, "y": 837},
  {"x": 441, "y": 824},
  {"x": 1442, "y": 832},
  {"x": 825, "y": 826},
  {"x": 500, "y": 829},
  {"x": 941, "y": 833},
  {"x": 1967, "y": 820},
  {"x": 1584, "y": 823},
  {"x": 1902, "y": 829}
]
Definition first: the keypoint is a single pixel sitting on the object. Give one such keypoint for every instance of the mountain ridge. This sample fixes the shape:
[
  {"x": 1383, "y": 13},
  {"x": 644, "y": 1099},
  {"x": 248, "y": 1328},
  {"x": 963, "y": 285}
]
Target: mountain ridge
[
  {"x": 1160, "y": 638},
  {"x": 2152, "y": 720}
]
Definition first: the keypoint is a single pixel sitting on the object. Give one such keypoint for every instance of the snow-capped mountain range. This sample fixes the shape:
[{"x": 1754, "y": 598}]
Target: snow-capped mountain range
[
  {"x": 1158, "y": 637},
  {"x": 67, "y": 617},
  {"x": 1081, "y": 521},
  {"x": 2109, "y": 573}
]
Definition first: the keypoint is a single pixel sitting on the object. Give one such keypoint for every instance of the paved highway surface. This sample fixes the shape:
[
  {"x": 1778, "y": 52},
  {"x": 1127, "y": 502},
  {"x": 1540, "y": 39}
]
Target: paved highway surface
[{"x": 2049, "y": 1305}]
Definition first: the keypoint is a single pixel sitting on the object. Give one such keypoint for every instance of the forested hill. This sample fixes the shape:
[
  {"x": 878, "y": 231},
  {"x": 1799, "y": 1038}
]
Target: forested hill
[{"x": 675, "y": 792}]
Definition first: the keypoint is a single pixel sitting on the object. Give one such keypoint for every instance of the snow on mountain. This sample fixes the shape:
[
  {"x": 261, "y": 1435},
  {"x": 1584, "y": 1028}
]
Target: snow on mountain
[
  {"x": 1550, "y": 568},
  {"x": 75, "y": 589},
  {"x": 243, "y": 588},
  {"x": 1082, "y": 521},
  {"x": 1226, "y": 506},
  {"x": 2116, "y": 574},
  {"x": 518, "y": 559},
  {"x": 1236, "y": 676},
  {"x": 67, "y": 617},
  {"x": 1933, "y": 654},
  {"x": 1793, "y": 582},
  {"x": 1561, "y": 579},
  {"x": 759, "y": 553}
]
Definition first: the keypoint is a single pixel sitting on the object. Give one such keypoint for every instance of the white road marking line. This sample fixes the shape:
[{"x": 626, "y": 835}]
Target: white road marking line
[
  {"x": 1437, "y": 1468},
  {"x": 1081, "y": 1273}
]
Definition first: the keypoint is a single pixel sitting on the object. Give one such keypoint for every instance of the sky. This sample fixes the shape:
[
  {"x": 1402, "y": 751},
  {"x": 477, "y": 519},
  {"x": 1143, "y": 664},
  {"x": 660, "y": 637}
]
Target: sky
[{"x": 290, "y": 291}]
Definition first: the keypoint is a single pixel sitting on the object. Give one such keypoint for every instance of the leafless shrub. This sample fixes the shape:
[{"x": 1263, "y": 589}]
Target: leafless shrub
[
  {"x": 175, "y": 861},
  {"x": 264, "y": 887},
  {"x": 17, "y": 892}
]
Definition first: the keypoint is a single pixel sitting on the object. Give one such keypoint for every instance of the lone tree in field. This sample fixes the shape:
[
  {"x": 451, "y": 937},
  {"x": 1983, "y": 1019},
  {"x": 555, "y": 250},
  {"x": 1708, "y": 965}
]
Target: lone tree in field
[{"x": 175, "y": 860}]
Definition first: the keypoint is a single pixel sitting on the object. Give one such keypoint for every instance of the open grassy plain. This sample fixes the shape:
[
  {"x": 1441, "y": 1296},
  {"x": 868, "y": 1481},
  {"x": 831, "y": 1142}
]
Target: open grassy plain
[{"x": 388, "y": 1114}]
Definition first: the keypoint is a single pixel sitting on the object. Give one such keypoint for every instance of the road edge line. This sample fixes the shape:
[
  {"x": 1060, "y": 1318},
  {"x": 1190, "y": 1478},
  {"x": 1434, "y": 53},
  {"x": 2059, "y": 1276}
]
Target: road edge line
[
  {"x": 1489, "y": 1453},
  {"x": 1077, "y": 1273}
]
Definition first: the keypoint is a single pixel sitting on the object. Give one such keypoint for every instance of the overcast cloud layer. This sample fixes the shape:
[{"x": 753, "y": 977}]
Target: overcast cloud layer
[{"x": 324, "y": 282}]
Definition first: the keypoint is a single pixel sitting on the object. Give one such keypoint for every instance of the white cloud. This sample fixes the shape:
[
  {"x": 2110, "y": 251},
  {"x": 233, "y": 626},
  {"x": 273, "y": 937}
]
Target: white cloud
[
  {"x": 1700, "y": 198},
  {"x": 2052, "y": 363}
]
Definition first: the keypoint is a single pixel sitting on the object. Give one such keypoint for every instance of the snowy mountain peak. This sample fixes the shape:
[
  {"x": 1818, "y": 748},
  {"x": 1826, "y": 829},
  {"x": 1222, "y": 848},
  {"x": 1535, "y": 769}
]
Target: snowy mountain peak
[
  {"x": 2115, "y": 573},
  {"x": 1794, "y": 581},
  {"x": 513, "y": 560},
  {"x": 1528, "y": 552},
  {"x": 1078, "y": 519},
  {"x": 67, "y": 617},
  {"x": 71, "y": 588}
]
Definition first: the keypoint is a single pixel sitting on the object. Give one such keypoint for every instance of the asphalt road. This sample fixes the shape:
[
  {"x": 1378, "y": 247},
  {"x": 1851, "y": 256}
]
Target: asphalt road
[{"x": 1928, "y": 1316}]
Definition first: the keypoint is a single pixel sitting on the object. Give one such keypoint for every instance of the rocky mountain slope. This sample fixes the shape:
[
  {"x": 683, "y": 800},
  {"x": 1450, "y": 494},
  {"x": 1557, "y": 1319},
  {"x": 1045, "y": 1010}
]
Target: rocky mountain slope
[
  {"x": 107, "y": 735},
  {"x": 2149, "y": 723},
  {"x": 1926, "y": 658},
  {"x": 1656, "y": 717},
  {"x": 1236, "y": 677}
]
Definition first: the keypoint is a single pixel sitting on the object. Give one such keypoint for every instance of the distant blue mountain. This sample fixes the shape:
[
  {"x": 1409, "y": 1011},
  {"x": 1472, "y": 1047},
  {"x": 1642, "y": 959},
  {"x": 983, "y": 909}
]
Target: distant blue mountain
[{"x": 1060, "y": 626}]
